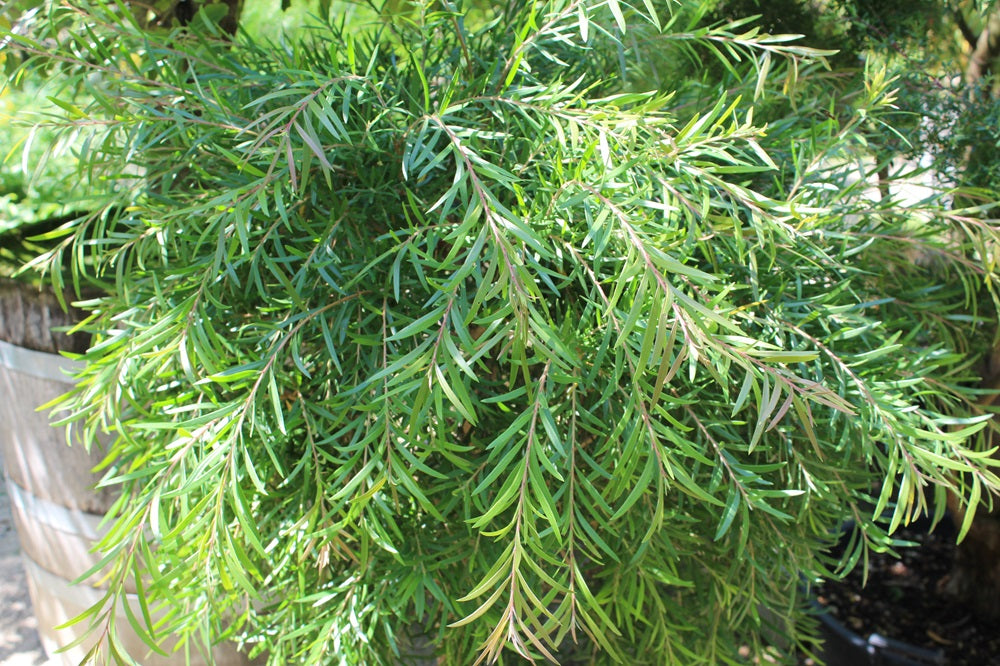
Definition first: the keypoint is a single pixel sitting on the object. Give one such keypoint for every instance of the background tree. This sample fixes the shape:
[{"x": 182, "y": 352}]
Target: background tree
[{"x": 447, "y": 325}]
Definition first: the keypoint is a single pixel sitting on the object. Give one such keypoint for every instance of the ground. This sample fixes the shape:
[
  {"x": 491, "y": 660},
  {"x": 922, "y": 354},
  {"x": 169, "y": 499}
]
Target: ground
[{"x": 19, "y": 644}]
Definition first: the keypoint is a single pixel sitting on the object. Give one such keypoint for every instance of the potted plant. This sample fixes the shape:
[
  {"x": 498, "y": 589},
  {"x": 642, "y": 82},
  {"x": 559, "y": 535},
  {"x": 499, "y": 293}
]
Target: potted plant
[{"x": 437, "y": 331}]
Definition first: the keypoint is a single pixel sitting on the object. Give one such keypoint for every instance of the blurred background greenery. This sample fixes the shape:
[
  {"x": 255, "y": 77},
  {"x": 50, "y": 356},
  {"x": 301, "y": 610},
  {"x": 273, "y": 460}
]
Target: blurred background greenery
[{"x": 28, "y": 194}]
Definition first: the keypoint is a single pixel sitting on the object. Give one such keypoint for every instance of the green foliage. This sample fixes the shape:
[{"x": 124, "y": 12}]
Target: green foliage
[
  {"x": 29, "y": 194},
  {"x": 927, "y": 43},
  {"x": 881, "y": 22},
  {"x": 847, "y": 25},
  {"x": 958, "y": 128},
  {"x": 814, "y": 22},
  {"x": 448, "y": 327}
]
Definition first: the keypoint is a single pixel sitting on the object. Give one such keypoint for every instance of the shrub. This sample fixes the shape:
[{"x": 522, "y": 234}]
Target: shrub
[{"x": 446, "y": 329}]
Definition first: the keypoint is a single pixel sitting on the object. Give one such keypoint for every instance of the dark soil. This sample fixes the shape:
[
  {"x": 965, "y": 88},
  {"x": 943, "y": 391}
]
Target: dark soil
[{"x": 904, "y": 599}]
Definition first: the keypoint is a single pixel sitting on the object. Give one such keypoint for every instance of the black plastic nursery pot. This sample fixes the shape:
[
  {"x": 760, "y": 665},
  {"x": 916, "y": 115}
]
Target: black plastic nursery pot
[
  {"x": 861, "y": 644},
  {"x": 843, "y": 647}
]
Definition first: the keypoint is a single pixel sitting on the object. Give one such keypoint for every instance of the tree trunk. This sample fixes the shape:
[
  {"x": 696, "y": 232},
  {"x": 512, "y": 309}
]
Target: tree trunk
[
  {"x": 975, "y": 575},
  {"x": 984, "y": 50}
]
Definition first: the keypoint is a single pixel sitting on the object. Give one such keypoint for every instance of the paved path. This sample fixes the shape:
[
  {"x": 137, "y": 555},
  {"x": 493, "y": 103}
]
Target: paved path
[{"x": 19, "y": 644}]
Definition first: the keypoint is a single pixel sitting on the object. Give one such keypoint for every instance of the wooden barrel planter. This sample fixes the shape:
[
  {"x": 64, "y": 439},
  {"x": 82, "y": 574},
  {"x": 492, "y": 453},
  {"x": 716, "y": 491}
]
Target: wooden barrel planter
[{"x": 51, "y": 485}]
